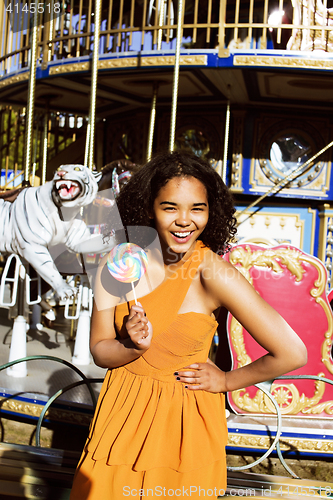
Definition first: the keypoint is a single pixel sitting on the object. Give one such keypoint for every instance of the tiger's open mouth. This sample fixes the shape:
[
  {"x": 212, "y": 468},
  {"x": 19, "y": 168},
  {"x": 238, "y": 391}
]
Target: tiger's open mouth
[{"x": 68, "y": 190}]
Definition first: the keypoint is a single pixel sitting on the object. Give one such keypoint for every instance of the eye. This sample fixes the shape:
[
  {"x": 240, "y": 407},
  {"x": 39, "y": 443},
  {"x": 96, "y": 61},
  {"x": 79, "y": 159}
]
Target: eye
[{"x": 77, "y": 168}]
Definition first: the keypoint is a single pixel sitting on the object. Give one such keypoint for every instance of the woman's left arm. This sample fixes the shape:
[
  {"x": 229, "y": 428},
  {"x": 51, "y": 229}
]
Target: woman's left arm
[{"x": 226, "y": 286}]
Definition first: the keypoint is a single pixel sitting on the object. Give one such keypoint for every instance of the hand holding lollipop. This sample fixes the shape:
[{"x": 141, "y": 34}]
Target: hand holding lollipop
[
  {"x": 139, "y": 328},
  {"x": 127, "y": 263}
]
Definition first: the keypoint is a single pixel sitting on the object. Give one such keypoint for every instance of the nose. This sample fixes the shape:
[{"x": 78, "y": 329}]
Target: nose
[
  {"x": 61, "y": 173},
  {"x": 183, "y": 219}
]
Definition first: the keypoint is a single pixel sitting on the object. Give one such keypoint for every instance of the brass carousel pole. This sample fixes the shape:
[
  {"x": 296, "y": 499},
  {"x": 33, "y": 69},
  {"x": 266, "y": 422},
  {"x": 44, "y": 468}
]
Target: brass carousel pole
[
  {"x": 155, "y": 88},
  {"x": 34, "y": 159},
  {"x": 81, "y": 347},
  {"x": 51, "y": 29},
  {"x": 31, "y": 98},
  {"x": 92, "y": 113},
  {"x": 152, "y": 122},
  {"x": 176, "y": 77},
  {"x": 45, "y": 144},
  {"x": 160, "y": 24},
  {"x": 86, "y": 149},
  {"x": 226, "y": 141}
]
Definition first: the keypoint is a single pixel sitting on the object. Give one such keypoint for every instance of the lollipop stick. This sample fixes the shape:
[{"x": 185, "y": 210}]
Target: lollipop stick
[{"x": 136, "y": 301}]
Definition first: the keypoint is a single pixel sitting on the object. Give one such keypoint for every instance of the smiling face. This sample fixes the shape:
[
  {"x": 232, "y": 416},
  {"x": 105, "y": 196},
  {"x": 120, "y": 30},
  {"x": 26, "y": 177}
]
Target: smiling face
[{"x": 181, "y": 213}]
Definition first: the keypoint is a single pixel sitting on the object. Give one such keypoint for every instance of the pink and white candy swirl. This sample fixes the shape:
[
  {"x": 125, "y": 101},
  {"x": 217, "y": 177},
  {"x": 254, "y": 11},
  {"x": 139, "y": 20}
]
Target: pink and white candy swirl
[{"x": 127, "y": 262}]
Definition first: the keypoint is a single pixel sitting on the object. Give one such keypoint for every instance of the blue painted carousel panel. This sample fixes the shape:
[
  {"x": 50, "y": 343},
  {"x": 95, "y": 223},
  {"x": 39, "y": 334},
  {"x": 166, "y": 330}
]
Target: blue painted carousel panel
[
  {"x": 277, "y": 225},
  {"x": 311, "y": 439},
  {"x": 246, "y": 173},
  {"x": 316, "y": 238},
  {"x": 278, "y": 147},
  {"x": 12, "y": 180},
  {"x": 320, "y": 188}
]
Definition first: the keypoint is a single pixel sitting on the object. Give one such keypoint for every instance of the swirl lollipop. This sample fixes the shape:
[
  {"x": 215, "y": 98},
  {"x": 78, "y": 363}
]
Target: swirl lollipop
[{"x": 127, "y": 263}]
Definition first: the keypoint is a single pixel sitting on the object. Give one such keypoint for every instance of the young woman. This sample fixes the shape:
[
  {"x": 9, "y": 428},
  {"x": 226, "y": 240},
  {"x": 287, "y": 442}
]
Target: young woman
[{"x": 160, "y": 428}]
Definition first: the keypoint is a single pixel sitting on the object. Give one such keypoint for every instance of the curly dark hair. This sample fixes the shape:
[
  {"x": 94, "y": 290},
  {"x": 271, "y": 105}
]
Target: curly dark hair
[{"x": 135, "y": 201}]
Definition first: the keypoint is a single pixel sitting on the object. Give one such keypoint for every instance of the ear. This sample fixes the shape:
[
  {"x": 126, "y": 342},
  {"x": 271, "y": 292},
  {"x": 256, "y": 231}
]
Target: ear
[
  {"x": 97, "y": 176},
  {"x": 151, "y": 214}
]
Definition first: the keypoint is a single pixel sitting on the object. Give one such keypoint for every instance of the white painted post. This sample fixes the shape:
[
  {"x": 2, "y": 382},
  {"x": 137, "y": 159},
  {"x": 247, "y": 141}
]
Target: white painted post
[
  {"x": 81, "y": 354},
  {"x": 18, "y": 345},
  {"x": 18, "y": 348}
]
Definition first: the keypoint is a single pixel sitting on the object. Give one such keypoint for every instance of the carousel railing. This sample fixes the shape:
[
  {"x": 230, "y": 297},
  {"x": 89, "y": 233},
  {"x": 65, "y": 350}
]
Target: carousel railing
[
  {"x": 62, "y": 130},
  {"x": 66, "y": 28},
  {"x": 84, "y": 381}
]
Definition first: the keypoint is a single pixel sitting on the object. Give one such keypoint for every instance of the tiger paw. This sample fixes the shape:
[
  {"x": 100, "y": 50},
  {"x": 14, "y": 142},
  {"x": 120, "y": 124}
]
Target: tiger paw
[{"x": 66, "y": 292}]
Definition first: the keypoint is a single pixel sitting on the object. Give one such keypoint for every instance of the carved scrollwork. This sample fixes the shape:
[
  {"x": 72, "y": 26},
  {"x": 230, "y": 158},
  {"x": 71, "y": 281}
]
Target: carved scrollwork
[
  {"x": 289, "y": 257},
  {"x": 170, "y": 60},
  {"x": 236, "y": 331},
  {"x": 295, "y": 62},
  {"x": 252, "y": 405},
  {"x": 291, "y": 403},
  {"x": 34, "y": 410},
  {"x": 14, "y": 79},
  {"x": 287, "y": 443},
  {"x": 287, "y": 395}
]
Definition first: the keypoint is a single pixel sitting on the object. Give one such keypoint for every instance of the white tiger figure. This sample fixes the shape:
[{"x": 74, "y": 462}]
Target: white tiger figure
[{"x": 44, "y": 216}]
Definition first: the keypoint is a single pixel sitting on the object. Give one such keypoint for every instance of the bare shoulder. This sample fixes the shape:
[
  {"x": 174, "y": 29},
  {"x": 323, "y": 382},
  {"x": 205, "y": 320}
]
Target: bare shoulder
[
  {"x": 215, "y": 268},
  {"x": 103, "y": 296},
  {"x": 100, "y": 268},
  {"x": 221, "y": 280}
]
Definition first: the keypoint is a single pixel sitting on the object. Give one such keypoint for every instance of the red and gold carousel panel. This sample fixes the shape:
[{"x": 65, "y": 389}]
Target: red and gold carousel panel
[{"x": 294, "y": 283}]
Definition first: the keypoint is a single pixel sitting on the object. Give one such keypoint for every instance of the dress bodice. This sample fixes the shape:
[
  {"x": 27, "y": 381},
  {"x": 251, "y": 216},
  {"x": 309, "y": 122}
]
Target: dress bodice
[{"x": 178, "y": 339}]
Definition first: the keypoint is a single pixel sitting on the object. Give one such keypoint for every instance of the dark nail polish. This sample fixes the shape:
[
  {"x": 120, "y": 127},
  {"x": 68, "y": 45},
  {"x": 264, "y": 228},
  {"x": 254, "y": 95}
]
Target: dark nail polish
[
  {"x": 177, "y": 378},
  {"x": 186, "y": 387},
  {"x": 176, "y": 373}
]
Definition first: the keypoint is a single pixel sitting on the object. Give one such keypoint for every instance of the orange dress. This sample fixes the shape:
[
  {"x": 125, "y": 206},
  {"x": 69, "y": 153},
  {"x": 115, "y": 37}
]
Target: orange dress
[{"x": 150, "y": 436}]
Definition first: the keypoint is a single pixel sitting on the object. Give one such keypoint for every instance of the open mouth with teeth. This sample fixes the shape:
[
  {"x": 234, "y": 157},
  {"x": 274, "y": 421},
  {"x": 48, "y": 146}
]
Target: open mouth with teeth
[
  {"x": 181, "y": 236},
  {"x": 68, "y": 190}
]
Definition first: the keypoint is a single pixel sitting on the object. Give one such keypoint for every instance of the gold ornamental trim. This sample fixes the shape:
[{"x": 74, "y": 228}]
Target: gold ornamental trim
[
  {"x": 29, "y": 409},
  {"x": 327, "y": 344},
  {"x": 69, "y": 68},
  {"x": 283, "y": 62},
  {"x": 291, "y": 403},
  {"x": 195, "y": 60},
  {"x": 124, "y": 62},
  {"x": 237, "y": 339},
  {"x": 286, "y": 395},
  {"x": 290, "y": 257},
  {"x": 14, "y": 79},
  {"x": 287, "y": 443},
  {"x": 130, "y": 62},
  {"x": 316, "y": 292},
  {"x": 34, "y": 410}
]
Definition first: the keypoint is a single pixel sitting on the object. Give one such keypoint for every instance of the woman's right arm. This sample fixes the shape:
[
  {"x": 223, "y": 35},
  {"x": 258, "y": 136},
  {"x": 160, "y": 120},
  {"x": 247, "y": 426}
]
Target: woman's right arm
[{"x": 107, "y": 349}]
